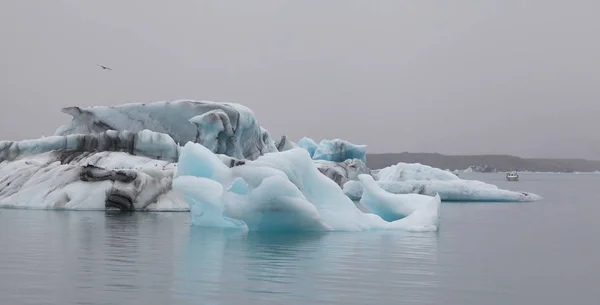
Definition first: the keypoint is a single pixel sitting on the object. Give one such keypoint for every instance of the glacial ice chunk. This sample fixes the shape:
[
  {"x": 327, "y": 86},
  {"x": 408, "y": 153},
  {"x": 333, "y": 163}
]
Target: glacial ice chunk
[
  {"x": 227, "y": 128},
  {"x": 215, "y": 132},
  {"x": 413, "y": 171},
  {"x": 144, "y": 143},
  {"x": 80, "y": 180},
  {"x": 309, "y": 144},
  {"x": 416, "y": 178},
  {"x": 276, "y": 205},
  {"x": 341, "y": 172},
  {"x": 269, "y": 144},
  {"x": 112, "y": 169},
  {"x": 285, "y": 144},
  {"x": 388, "y": 205},
  {"x": 338, "y": 150},
  {"x": 278, "y": 191},
  {"x": 448, "y": 190},
  {"x": 206, "y": 206}
]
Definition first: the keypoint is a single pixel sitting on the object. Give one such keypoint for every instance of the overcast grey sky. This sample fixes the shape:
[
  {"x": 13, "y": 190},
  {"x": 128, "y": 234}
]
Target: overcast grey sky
[{"x": 516, "y": 77}]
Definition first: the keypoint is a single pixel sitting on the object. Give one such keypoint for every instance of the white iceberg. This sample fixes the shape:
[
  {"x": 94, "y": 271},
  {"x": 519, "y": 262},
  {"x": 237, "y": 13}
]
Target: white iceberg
[
  {"x": 406, "y": 178},
  {"x": 454, "y": 190},
  {"x": 413, "y": 171},
  {"x": 397, "y": 206},
  {"x": 89, "y": 181},
  {"x": 278, "y": 191},
  {"x": 123, "y": 170}
]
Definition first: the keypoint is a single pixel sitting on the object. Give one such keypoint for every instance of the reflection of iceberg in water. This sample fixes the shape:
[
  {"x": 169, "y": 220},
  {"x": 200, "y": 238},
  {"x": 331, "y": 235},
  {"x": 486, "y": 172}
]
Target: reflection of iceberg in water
[
  {"x": 83, "y": 257},
  {"x": 283, "y": 264},
  {"x": 377, "y": 267},
  {"x": 224, "y": 266},
  {"x": 233, "y": 267},
  {"x": 202, "y": 272}
]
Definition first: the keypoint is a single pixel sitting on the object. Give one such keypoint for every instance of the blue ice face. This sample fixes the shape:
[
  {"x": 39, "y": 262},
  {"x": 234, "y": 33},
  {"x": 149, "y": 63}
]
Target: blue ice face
[
  {"x": 339, "y": 151},
  {"x": 284, "y": 192},
  {"x": 309, "y": 144}
]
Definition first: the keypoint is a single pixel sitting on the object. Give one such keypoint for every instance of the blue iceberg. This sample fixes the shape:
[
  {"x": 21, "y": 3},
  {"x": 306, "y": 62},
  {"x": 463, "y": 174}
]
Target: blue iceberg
[
  {"x": 339, "y": 150},
  {"x": 280, "y": 191},
  {"x": 309, "y": 144}
]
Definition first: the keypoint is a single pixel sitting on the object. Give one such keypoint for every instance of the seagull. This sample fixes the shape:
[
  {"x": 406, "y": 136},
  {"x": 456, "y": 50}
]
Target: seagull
[{"x": 104, "y": 67}]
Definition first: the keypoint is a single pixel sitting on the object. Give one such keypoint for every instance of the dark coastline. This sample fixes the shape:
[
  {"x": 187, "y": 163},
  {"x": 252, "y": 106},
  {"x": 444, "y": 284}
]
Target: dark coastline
[{"x": 497, "y": 162}]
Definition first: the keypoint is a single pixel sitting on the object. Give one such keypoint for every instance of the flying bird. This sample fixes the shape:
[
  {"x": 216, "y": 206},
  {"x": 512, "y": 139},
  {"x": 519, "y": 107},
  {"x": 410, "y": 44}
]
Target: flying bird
[{"x": 104, "y": 67}]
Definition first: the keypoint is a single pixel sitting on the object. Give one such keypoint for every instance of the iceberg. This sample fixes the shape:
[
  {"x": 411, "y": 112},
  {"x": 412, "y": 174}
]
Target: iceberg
[
  {"x": 309, "y": 144},
  {"x": 279, "y": 191},
  {"x": 285, "y": 144},
  {"x": 338, "y": 150},
  {"x": 144, "y": 143},
  {"x": 112, "y": 169},
  {"x": 341, "y": 172},
  {"x": 215, "y": 161},
  {"x": 480, "y": 169},
  {"x": 413, "y": 171},
  {"x": 455, "y": 190},
  {"x": 404, "y": 178},
  {"x": 225, "y": 128},
  {"x": 394, "y": 206},
  {"x": 89, "y": 181}
]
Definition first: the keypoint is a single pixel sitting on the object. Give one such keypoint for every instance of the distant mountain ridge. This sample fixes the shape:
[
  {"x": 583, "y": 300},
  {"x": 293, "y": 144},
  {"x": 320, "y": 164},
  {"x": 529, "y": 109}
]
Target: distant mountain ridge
[{"x": 498, "y": 162}]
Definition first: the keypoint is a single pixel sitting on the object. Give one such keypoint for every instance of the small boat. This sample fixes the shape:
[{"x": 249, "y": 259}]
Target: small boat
[{"x": 512, "y": 176}]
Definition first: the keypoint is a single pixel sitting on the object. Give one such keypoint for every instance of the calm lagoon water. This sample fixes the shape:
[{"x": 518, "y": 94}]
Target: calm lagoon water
[{"x": 545, "y": 252}]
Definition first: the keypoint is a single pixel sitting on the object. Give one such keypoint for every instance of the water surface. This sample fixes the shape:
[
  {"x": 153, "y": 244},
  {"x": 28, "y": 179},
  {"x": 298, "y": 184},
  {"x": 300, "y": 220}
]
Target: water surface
[{"x": 485, "y": 253}]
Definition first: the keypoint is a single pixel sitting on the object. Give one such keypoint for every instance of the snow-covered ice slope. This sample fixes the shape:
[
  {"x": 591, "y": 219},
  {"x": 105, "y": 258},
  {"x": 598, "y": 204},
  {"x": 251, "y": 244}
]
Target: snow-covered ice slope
[
  {"x": 225, "y": 128},
  {"x": 280, "y": 191},
  {"x": 413, "y": 171}
]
